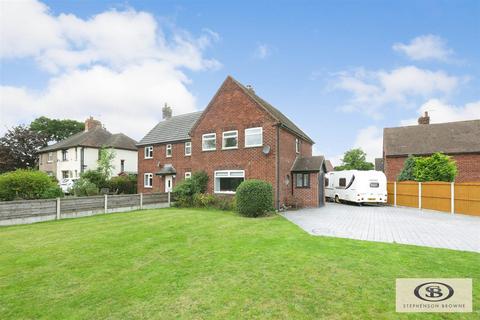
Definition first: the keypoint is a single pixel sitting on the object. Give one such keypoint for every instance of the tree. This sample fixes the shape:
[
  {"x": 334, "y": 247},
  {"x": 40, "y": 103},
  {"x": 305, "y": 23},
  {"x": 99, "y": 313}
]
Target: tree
[
  {"x": 18, "y": 148},
  {"x": 355, "y": 159},
  {"x": 56, "y": 129},
  {"x": 105, "y": 165},
  {"x": 407, "y": 173},
  {"x": 437, "y": 167}
]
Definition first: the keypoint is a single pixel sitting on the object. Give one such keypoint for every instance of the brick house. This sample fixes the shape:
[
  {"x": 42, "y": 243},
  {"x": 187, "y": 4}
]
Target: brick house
[
  {"x": 238, "y": 136},
  {"x": 460, "y": 140}
]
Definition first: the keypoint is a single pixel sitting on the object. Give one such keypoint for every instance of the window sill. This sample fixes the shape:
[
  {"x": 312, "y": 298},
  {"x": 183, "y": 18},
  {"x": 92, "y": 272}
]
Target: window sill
[
  {"x": 168, "y": 156},
  {"x": 148, "y": 158},
  {"x": 148, "y": 187},
  {"x": 230, "y": 148},
  {"x": 188, "y": 155},
  {"x": 255, "y": 146},
  {"x": 225, "y": 192},
  {"x": 302, "y": 187},
  {"x": 206, "y": 150}
]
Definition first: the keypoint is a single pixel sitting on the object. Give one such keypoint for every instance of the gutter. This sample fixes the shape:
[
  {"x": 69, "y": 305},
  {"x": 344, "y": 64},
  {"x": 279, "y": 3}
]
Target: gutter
[{"x": 277, "y": 168}]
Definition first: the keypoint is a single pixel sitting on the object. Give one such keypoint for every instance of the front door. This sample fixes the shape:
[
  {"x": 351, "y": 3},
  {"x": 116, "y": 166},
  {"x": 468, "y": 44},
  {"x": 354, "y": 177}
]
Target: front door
[{"x": 168, "y": 183}]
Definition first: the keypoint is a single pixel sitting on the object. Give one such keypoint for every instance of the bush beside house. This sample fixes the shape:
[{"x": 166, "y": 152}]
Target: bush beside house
[
  {"x": 24, "y": 184},
  {"x": 254, "y": 198},
  {"x": 437, "y": 167}
]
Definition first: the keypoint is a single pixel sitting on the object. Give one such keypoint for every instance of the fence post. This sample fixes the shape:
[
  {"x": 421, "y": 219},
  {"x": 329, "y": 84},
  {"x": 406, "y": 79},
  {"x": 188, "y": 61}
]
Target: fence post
[
  {"x": 106, "y": 203},
  {"x": 395, "y": 193},
  {"x": 141, "y": 200},
  {"x": 169, "y": 198},
  {"x": 419, "y": 195},
  {"x": 452, "y": 197},
  {"x": 58, "y": 208}
]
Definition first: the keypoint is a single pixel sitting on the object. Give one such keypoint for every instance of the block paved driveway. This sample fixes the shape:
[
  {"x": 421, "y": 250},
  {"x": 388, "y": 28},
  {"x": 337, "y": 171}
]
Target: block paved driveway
[{"x": 389, "y": 224}]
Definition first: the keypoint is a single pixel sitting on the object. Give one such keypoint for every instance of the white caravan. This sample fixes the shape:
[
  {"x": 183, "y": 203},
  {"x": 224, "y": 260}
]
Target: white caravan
[{"x": 356, "y": 186}]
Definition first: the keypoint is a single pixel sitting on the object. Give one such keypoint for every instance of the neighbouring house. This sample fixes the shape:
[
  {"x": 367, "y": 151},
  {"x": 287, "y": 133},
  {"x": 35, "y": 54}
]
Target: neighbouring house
[
  {"x": 329, "y": 166},
  {"x": 238, "y": 136},
  {"x": 460, "y": 140},
  {"x": 70, "y": 157},
  {"x": 379, "y": 166}
]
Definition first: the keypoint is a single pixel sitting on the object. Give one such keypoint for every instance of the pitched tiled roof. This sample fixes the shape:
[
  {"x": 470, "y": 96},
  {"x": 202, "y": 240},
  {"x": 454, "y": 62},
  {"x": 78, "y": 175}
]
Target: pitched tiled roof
[
  {"x": 329, "y": 166},
  {"x": 95, "y": 138},
  {"x": 274, "y": 112},
  {"x": 176, "y": 128},
  {"x": 313, "y": 163},
  {"x": 450, "y": 137}
]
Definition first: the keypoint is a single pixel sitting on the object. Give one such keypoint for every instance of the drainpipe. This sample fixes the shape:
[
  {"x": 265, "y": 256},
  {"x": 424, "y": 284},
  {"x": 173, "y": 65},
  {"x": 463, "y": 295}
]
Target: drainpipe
[{"x": 277, "y": 169}]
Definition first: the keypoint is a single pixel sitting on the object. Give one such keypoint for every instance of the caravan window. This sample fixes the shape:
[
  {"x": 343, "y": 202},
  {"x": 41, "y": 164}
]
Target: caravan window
[
  {"x": 342, "y": 182},
  {"x": 374, "y": 184},
  {"x": 326, "y": 182}
]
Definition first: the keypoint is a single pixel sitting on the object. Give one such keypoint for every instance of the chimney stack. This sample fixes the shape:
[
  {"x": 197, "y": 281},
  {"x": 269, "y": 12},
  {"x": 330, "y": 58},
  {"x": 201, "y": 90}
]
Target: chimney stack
[
  {"x": 250, "y": 88},
  {"x": 167, "y": 112},
  {"x": 91, "y": 124},
  {"x": 425, "y": 119}
]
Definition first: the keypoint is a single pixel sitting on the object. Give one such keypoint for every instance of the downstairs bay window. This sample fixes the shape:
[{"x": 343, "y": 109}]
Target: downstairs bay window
[{"x": 227, "y": 181}]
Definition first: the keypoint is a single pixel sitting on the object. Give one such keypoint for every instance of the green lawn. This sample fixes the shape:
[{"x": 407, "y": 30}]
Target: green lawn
[{"x": 201, "y": 264}]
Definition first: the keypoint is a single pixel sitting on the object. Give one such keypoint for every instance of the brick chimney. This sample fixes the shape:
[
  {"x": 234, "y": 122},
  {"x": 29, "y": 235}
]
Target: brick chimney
[
  {"x": 91, "y": 124},
  {"x": 425, "y": 119},
  {"x": 167, "y": 112}
]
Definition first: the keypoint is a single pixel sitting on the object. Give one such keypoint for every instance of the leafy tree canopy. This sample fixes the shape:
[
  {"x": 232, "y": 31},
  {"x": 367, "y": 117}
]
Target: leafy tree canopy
[
  {"x": 437, "y": 167},
  {"x": 407, "y": 173},
  {"x": 105, "y": 162},
  {"x": 355, "y": 159},
  {"x": 56, "y": 129}
]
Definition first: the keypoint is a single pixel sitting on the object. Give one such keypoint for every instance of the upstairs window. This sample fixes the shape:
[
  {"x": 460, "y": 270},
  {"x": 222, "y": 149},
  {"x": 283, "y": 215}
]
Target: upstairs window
[
  {"x": 188, "y": 148},
  {"x": 64, "y": 155},
  {"x": 230, "y": 140},
  {"x": 122, "y": 165},
  {"x": 50, "y": 157},
  {"x": 227, "y": 181},
  {"x": 168, "y": 150},
  {"x": 253, "y": 137},
  {"x": 148, "y": 180},
  {"x": 302, "y": 180},
  {"x": 209, "y": 141},
  {"x": 297, "y": 145},
  {"x": 149, "y": 152}
]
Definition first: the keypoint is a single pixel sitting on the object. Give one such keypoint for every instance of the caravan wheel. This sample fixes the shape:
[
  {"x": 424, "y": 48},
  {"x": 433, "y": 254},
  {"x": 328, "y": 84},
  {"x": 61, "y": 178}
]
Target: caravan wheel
[{"x": 337, "y": 199}]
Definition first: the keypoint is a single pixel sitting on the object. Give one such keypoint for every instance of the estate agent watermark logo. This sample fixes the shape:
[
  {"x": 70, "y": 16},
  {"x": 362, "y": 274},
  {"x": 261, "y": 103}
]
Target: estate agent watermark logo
[{"x": 434, "y": 295}]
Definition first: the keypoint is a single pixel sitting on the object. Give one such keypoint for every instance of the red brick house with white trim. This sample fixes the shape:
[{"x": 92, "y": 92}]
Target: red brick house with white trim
[{"x": 238, "y": 136}]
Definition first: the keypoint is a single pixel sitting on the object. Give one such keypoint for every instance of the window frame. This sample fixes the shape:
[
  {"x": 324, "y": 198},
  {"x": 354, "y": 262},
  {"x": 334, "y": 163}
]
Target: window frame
[
  {"x": 65, "y": 155},
  {"x": 188, "y": 144},
  {"x": 214, "y": 139},
  {"x": 150, "y": 179},
  {"x": 305, "y": 178},
  {"x": 148, "y": 155},
  {"x": 225, "y": 174},
  {"x": 188, "y": 175},
  {"x": 297, "y": 145},
  {"x": 169, "y": 147},
  {"x": 251, "y": 134},
  {"x": 340, "y": 183},
  {"x": 223, "y": 139},
  {"x": 50, "y": 157}
]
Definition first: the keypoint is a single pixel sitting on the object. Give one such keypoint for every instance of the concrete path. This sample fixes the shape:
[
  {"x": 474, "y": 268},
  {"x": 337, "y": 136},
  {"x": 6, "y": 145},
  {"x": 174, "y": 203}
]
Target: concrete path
[{"x": 389, "y": 224}]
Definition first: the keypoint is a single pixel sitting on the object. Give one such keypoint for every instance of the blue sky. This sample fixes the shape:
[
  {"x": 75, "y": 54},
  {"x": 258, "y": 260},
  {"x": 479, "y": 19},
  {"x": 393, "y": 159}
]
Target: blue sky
[{"x": 342, "y": 70}]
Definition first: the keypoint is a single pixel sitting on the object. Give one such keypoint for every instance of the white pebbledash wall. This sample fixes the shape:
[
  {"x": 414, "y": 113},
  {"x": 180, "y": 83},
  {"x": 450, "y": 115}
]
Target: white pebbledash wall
[{"x": 73, "y": 162}]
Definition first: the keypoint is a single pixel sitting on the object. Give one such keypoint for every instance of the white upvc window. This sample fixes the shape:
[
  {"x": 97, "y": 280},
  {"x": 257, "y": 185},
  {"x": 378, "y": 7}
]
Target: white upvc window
[
  {"x": 148, "y": 152},
  {"x": 227, "y": 181},
  {"x": 253, "y": 137},
  {"x": 188, "y": 148},
  {"x": 188, "y": 175},
  {"x": 297, "y": 145},
  {"x": 64, "y": 155},
  {"x": 230, "y": 139},
  {"x": 168, "y": 151},
  {"x": 209, "y": 141},
  {"x": 50, "y": 157},
  {"x": 148, "y": 180}
]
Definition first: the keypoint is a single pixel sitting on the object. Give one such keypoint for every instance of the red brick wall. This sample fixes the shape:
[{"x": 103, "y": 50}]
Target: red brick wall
[
  {"x": 179, "y": 161},
  {"x": 306, "y": 197},
  {"x": 468, "y": 166}
]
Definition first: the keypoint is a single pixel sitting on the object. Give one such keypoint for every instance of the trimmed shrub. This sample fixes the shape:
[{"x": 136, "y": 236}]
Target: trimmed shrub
[
  {"x": 84, "y": 187},
  {"x": 28, "y": 184},
  {"x": 199, "y": 182},
  {"x": 186, "y": 189},
  {"x": 437, "y": 167},
  {"x": 126, "y": 184},
  {"x": 254, "y": 198},
  {"x": 96, "y": 177}
]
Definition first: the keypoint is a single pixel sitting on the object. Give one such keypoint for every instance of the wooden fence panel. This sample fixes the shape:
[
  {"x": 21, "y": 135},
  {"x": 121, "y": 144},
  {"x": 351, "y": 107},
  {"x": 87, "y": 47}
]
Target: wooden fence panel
[
  {"x": 467, "y": 198},
  {"x": 436, "y": 196},
  {"x": 150, "y": 198},
  {"x": 70, "y": 205},
  {"x": 390, "y": 193},
  {"x": 123, "y": 201},
  {"x": 27, "y": 208},
  {"x": 407, "y": 194}
]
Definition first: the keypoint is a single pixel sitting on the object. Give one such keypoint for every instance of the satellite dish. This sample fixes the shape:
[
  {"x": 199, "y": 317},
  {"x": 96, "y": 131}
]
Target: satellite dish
[{"x": 266, "y": 149}]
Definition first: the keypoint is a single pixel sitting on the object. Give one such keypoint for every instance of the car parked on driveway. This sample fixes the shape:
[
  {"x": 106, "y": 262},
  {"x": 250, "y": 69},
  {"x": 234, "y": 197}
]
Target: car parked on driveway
[{"x": 66, "y": 184}]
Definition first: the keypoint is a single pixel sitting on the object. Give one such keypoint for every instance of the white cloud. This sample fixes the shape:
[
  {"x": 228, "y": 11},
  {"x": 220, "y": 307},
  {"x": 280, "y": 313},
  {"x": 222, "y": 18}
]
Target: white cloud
[
  {"x": 372, "y": 90},
  {"x": 119, "y": 66},
  {"x": 426, "y": 47},
  {"x": 262, "y": 51},
  {"x": 440, "y": 111},
  {"x": 370, "y": 140}
]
